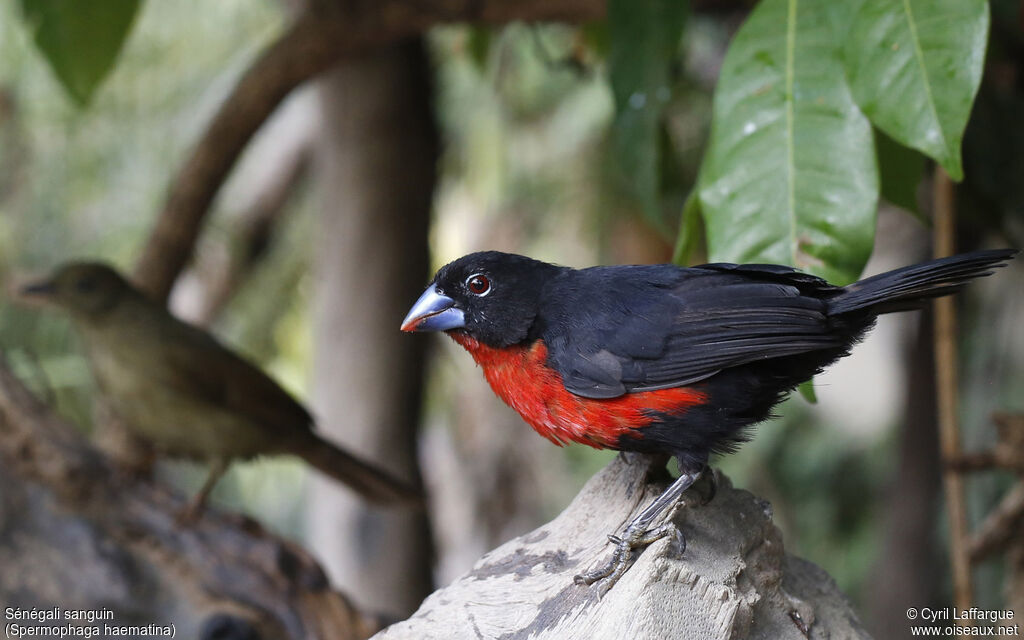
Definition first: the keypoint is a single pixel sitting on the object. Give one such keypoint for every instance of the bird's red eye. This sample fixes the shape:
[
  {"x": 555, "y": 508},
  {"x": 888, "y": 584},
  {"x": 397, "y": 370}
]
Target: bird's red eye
[{"x": 478, "y": 284}]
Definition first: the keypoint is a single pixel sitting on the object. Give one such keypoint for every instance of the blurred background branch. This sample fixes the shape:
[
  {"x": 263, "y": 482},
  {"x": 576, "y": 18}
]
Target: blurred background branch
[
  {"x": 947, "y": 397},
  {"x": 317, "y": 38}
]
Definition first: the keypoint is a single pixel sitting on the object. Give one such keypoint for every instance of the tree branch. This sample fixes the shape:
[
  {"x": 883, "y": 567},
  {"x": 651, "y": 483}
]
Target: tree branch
[
  {"x": 1007, "y": 453},
  {"x": 305, "y": 49},
  {"x": 1000, "y": 527},
  {"x": 312, "y": 44},
  {"x": 944, "y": 216},
  {"x": 277, "y": 163}
]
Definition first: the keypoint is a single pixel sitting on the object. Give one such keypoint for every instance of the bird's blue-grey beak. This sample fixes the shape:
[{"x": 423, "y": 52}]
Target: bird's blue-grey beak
[{"x": 434, "y": 311}]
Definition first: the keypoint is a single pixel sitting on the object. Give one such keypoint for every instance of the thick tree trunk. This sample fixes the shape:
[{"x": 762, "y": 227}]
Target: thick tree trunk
[{"x": 376, "y": 167}]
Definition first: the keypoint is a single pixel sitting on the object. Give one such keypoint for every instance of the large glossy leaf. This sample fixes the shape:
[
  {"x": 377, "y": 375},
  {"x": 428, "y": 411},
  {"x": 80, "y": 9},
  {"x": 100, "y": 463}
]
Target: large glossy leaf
[
  {"x": 914, "y": 67},
  {"x": 644, "y": 41},
  {"x": 689, "y": 224},
  {"x": 79, "y": 39},
  {"x": 790, "y": 175}
]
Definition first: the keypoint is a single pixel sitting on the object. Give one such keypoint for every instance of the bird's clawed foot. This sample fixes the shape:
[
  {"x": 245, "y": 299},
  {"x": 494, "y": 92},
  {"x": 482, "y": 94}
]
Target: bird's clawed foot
[
  {"x": 639, "y": 533},
  {"x": 195, "y": 507},
  {"x": 189, "y": 514},
  {"x": 633, "y": 538}
]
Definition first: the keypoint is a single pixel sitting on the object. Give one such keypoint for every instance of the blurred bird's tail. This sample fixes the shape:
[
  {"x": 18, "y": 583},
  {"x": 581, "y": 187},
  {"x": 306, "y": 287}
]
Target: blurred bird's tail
[
  {"x": 909, "y": 287},
  {"x": 366, "y": 479}
]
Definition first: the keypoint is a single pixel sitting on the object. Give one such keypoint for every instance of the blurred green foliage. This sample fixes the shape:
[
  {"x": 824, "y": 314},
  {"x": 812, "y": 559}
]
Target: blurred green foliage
[
  {"x": 90, "y": 180},
  {"x": 80, "y": 40},
  {"x": 644, "y": 41}
]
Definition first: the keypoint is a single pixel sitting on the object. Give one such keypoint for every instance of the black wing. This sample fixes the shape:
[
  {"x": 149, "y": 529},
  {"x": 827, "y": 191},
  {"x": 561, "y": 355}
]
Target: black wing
[{"x": 615, "y": 330}]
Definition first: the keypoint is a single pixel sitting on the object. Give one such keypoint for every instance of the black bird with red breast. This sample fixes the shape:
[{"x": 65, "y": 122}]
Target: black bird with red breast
[{"x": 661, "y": 358}]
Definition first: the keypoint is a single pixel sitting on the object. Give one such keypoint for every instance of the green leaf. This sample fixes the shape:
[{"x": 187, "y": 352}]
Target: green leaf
[
  {"x": 900, "y": 169},
  {"x": 688, "y": 227},
  {"x": 479, "y": 45},
  {"x": 595, "y": 37},
  {"x": 790, "y": 174},
  {"x": 80, "y": 40},
  {"x": 644, "y": 42},
  {"x": 914, "y": 67},
  {"x": 806, "y": 389}
]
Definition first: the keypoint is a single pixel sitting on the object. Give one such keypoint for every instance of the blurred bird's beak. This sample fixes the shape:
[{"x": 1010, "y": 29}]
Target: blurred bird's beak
[
  {"x": 39, "y": 290},
  {"x": 434, "y": 311}
]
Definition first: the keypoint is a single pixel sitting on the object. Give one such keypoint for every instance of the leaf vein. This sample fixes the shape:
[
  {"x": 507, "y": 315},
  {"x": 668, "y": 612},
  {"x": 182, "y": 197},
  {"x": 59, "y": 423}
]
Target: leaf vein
[
  {"x": 919, "y": 56},
  {"x": 790, "y": 134}
]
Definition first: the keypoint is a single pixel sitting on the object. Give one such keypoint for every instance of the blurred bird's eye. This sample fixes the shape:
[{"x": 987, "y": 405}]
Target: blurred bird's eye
[
  {"x": 478, "y": 284},
  {"x": 85, "y": 285}
]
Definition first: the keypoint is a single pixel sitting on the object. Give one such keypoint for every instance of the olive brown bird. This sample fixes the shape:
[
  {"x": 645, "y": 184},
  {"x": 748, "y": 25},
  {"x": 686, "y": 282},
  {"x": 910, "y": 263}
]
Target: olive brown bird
[
  {"x": 179, "y": 389},
  {"x": 659, "y": 358}
]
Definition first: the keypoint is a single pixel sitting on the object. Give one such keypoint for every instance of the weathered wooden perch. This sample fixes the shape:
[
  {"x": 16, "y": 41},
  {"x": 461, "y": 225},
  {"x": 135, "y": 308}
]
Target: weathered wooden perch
[{"x": 733, "y": 581}]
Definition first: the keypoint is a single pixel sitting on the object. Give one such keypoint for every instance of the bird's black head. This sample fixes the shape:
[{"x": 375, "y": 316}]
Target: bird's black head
[{"x": 491, "y": 296}]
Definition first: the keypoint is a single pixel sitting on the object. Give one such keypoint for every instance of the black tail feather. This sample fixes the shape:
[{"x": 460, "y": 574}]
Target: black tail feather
[{"x": 910, "y": 287}]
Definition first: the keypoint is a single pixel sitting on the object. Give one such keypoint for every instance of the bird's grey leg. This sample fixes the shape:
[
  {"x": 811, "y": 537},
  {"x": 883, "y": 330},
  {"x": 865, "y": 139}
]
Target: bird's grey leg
[
  {"x": 195, "y": 506},
  {"x": 639, "y": 532}
]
